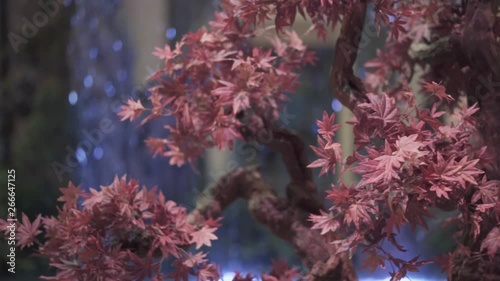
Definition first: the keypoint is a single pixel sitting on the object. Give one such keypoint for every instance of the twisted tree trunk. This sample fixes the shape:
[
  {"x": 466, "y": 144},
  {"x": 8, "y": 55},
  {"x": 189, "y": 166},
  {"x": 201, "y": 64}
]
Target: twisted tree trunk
[
  {"x": 478, "y": 51},
  {"x": 481, "y": 51}
]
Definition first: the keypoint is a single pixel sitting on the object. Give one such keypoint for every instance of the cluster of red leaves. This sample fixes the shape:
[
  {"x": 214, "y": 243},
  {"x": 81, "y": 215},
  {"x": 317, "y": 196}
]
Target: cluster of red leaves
[
  {"x": 408, "y": 161},
  {"x": 121, "y": 232},
  {"x": 418, "y": 27},
  {"x": 219, "y": 87},
  {"x": 323, "y": 14},
  {"x": 125, "y": 232},
  {"x": 214, "y": 82}
]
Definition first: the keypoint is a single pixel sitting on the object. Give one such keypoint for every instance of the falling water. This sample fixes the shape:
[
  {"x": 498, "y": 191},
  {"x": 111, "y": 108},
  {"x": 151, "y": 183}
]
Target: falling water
[{"x": 101, "y": 63}]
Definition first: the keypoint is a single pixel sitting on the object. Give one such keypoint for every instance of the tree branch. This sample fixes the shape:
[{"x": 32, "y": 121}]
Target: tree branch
[
  {"x": 301, "y": 191},
  {"x": 346, "y": 86},
  {"x": 481, "y": 52},
  {"x": 285, "y": 220},
  {"x": 435, "y": 52},
  {"x": 292, "y": 149}
]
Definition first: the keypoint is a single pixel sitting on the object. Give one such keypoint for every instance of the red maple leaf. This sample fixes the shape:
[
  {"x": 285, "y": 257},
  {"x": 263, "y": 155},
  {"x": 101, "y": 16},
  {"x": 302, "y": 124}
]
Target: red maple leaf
[
  {"x": 468, "y": 171},
  {"x": 339, "y": 195},
  {"x": 28, "y": 231},
  {"x": 448, "y": 132},
  {"x": 387, "y": 165},
  {"x": 66, "y": 270},
  {"x": 165, "y": 53},
  {"x": 194, "y": 260},
  {"x": 492, "y": 242},
  {"x": 241, "y": 102},
  {"x": 431, "y": 117},
  {"x": 438, "y": 90},
  {"x": 70, "y": 194},
  {"x": 408, "y": 147},
  {"x": 131, "y": 111},
  {"x": 329, "y": 154},
  {"x": 441, "y": 191},
  {"x": 383, "y": 108},
  {"x": 327, "y": 127},
  {"x": 325, "y": 222},
  {"x": 487, "y": 191},
  {"x": 156, "y": 145},
  {"x": 359, "y": 213},
  {"x": 460, "y": 172},
  {"x": 208, "y": 273},
  {"x": 177, "y": 157},
  {"x": 203, "y": 237},
  {"x": 95, "y": 197},
  {"x": 398, "y": 26},
  {"x": 3, "y": 227},
  {"x": 465, "y": 117}
]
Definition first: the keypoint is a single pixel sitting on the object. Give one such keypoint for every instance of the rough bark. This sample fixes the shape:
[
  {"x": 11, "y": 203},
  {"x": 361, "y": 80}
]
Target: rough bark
[
  {"x": 301, "y": 190},
  {"x": 346, "y": 86},
  {"x": 285, "y": 219},
  {"x": 477, "y": 49},
  {"x": 481, "y": 51}
]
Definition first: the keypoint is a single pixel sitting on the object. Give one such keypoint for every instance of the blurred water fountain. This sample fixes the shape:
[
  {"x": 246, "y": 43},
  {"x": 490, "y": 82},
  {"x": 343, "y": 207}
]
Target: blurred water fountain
[{"x": 102, "y": 66}]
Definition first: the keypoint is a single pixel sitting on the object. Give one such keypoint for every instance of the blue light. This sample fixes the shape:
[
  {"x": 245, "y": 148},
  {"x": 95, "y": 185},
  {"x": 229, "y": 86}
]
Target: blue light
[
  {"x": 171, "y": 32},
  {"x": 67, "y": 3},
  {"x": 336, "y": 105},
  {"x": 121, "y": 75},
  {"x": 361, "y": 72},
  {"x": 73, "y": 97},
  {"x": 228, "y": 275},
  {"x": 88, "y": 81},
  {"x": 98, "y": 153},
  {"x": 315, "y": 128},
  {"x": 81, "y": 156},
  {"x": 109, "y": 89},
  {"x": 117, "y": 46},
  {"x": 93, "y": 53}
]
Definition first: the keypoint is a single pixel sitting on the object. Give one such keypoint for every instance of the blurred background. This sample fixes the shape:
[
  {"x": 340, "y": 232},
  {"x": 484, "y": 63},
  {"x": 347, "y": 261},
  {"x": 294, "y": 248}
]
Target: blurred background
[{"x": 68, "y": 65}]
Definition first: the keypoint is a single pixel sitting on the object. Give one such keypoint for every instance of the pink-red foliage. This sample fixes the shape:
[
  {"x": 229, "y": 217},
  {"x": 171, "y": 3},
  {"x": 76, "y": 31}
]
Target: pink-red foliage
[
  {"x": 407, "y": 165},
  {"x": 121, "y": 232},
  {"x": 219, "y": 88}
]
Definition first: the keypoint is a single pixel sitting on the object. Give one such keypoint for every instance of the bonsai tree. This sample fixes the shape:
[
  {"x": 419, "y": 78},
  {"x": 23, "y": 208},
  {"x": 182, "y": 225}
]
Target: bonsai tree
[{"x": 221, "y": 88}]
